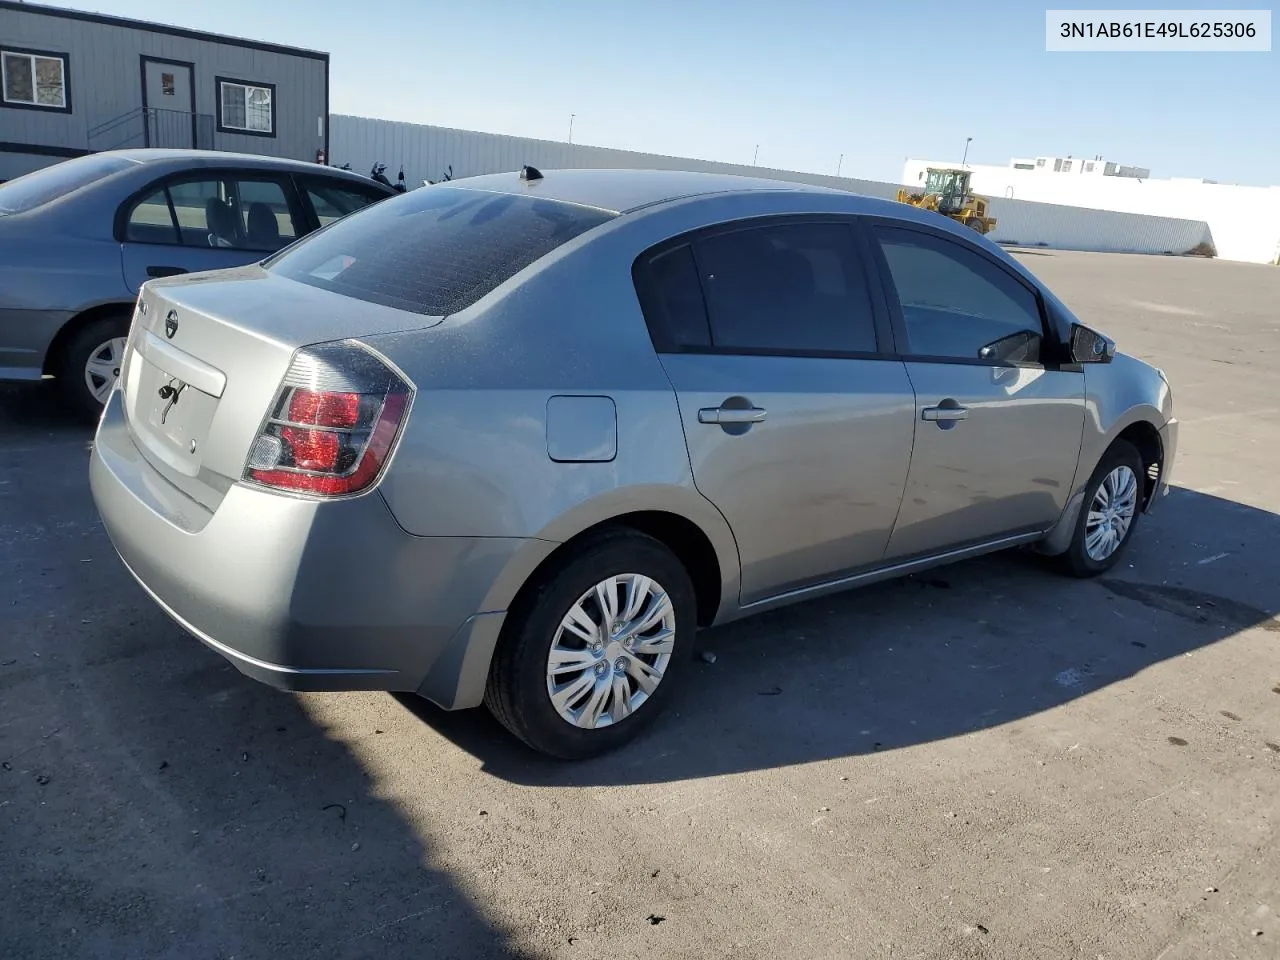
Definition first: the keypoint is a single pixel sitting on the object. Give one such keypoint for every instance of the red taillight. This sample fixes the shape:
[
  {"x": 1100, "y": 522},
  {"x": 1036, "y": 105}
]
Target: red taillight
[
  {"x": 325, "y": 409},
  {"x": 312, "y": 449},
  {"x": 333, "y": 424}
]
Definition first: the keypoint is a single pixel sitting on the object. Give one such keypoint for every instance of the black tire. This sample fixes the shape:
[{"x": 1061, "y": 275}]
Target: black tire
[
  {"x": 1076, "y": 561},
  {"x": 71, "y": 364},
  {"x": 976, "y": 224},
  {"x": 517, "y": 693}
]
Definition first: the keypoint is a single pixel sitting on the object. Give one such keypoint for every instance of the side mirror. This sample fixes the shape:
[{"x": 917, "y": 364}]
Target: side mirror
[{"x": 1089, "y": 346}]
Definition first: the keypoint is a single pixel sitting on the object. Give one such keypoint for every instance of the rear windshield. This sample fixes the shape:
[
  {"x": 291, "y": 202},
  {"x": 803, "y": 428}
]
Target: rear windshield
[
  {"x": 30, "y": 191},
  {"x": 435, "y": 250}
]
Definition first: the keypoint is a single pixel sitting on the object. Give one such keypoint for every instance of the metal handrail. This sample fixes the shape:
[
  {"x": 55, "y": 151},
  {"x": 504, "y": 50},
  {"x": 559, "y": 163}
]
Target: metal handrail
[{"x": 115, "y": 122}]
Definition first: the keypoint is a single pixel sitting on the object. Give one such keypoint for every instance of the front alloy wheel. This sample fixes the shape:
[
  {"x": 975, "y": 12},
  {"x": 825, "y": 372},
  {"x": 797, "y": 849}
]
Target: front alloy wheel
[
  {"x": 1115, "y": 503},
  {"x": 1112, "y": 507}
]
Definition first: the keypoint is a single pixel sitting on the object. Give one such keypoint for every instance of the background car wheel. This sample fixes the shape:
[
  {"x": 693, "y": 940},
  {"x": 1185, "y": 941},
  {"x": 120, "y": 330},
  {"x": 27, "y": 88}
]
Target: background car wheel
[
  {"x": 90, "y": 364},
  {"x": 591, "y": 653},
  {"x": 1112, "y": 506}
]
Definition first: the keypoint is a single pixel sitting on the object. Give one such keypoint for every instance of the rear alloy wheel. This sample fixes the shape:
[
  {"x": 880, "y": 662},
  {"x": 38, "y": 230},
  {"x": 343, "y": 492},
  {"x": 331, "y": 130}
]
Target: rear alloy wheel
[
  {"x": 588, "y": 659},
  {"x": 90, "y": 365},
  {"x": 1112, "y": 505}
]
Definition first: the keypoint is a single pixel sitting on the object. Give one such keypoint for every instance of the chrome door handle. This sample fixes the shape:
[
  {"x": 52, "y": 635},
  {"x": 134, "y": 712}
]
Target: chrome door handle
[
  {"x": 731, "y": 415},
  {"x": 944, "y": 414}
]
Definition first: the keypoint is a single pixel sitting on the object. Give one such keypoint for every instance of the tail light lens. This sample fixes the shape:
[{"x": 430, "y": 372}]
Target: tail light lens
[{"x": 333, "y": 424}]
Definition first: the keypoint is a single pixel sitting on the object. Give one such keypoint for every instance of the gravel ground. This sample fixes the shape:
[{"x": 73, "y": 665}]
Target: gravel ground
[{"x": 986, "y": 761}]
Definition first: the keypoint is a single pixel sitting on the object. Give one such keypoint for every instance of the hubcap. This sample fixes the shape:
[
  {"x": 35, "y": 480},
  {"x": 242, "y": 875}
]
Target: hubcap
[
  {"x": 103, "y": 367},
  {"x": 610, "y": 651},
  {"x": 1111, "y": 513}
]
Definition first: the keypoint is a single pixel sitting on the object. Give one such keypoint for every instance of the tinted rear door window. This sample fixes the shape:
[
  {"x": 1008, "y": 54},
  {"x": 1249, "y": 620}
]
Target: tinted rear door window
[
  {"x": 787, "y": 288},
  {"x": 435, "y": 250},
  {"x": 671, "y": 298}
]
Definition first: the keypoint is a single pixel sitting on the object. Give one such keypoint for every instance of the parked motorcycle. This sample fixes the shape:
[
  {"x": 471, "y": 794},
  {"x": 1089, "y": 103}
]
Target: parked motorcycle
[
  {"x": 379, "y": 173},
  {"x": 445, "y": 179}
]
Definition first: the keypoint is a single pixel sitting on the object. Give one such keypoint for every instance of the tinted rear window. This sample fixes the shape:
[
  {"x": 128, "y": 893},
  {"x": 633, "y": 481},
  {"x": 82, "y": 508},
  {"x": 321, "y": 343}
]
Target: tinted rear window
[
  {"x": 43, "y": 186},
  {"x": 435, "y": 250}
]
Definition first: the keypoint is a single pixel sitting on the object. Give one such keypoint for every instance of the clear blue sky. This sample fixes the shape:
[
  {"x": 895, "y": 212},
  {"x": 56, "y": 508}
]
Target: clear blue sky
[{"x": 807, "y": 80}]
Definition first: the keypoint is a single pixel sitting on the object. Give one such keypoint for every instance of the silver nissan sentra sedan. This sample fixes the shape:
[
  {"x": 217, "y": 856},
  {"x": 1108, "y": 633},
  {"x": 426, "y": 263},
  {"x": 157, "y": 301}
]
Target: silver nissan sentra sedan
[{"x": 513, "y": 439}]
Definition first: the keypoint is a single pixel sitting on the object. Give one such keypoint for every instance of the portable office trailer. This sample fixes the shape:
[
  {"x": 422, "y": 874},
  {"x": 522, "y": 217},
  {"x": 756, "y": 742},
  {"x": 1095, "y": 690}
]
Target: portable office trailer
[{"x": 76, "y": 83}]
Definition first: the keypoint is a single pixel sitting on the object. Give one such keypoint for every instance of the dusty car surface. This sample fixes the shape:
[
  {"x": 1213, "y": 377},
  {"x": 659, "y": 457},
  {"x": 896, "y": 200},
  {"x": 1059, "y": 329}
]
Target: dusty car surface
[
  {"x": 77, "y": 240},
  {"x": 513, "y": 439}
]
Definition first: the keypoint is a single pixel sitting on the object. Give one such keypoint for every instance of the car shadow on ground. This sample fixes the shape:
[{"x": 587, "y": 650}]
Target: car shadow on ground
[
  {"x": 153, "y": 802},
  {"x": 943, "y": 654}
]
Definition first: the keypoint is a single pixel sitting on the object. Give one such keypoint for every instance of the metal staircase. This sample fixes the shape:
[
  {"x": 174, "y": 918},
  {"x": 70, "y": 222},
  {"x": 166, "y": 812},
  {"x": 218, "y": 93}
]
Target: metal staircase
[{"x": 153, "y": 127}]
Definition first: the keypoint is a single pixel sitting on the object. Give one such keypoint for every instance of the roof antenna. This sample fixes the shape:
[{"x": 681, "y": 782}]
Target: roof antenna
[{"x": 530, "y": 173}]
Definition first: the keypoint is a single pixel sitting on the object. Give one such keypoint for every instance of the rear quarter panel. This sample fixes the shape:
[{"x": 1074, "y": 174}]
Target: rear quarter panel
[{"x": 474, "y": 458}]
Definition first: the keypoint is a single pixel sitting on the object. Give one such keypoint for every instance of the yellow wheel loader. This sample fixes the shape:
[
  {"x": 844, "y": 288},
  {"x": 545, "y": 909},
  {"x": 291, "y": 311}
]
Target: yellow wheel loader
[{"x": 947, "y": 192}]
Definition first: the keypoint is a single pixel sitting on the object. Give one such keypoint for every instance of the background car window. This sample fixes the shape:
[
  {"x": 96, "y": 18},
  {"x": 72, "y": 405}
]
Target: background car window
[
  {"x": 151, "y": 222},
  {"x": 205, "y": 216},
  {"x": 671, "y": 297},
  {"x": 786, "y": 287},
  {"x": 265, "y": 220},
  {"x": 332, "y": 201},
  {"x": 435, "y": 250},
  {"x": 956, "y": 303}
]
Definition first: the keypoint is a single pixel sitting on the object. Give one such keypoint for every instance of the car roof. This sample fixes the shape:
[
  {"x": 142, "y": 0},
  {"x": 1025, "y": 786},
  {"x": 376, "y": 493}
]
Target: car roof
[
  {"x": 206, "y": 158},
  {"x": 623, "y": 191}
]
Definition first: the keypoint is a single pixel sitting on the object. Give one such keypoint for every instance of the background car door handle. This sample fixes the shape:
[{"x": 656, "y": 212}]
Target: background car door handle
[
  {"x": 157, "y": 271},
  {"x": 731, "y": 415},
  {"x": 944, "y": 414}
]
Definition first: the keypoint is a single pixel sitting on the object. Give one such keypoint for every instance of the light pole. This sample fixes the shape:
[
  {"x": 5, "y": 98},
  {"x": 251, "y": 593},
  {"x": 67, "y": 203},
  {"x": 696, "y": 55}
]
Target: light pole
[
  {"x": 755, "y": 156},
  {"x": 571, "y": 116},
  {"x": 967, "y": 141},
  {"x": 839, "y": 164}
]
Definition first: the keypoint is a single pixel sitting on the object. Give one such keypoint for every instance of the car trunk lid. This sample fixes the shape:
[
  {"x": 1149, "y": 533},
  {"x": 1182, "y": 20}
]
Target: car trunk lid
[{"x": 207, "y": 354}]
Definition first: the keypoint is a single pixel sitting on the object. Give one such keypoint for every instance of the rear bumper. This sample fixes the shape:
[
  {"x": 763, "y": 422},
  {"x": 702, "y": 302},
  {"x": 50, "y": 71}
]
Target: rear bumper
[
  {"x": 25, "y": 336},
  {"x": 304, "y": 595}
]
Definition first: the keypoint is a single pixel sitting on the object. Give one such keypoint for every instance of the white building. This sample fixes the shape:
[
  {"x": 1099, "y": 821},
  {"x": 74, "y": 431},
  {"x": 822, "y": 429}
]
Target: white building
[
  {"x": 1244, "y": 222},
  {"x": 1090, "y": 166}
]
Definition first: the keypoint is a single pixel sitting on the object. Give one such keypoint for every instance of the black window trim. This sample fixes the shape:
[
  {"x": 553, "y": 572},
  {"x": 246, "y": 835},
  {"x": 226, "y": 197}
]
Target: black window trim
[
  {"x": 217, "y": 103},
  {"x": 66, "y": 81},
  {"x": 881, "y": 321},
  {"x": 297, "y": 208},
  {"x": 1050, "y": 339}
]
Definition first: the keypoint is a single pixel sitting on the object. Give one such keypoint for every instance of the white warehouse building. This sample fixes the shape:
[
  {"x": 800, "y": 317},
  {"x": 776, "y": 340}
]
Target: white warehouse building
[{"x": 1243, "y": 222}]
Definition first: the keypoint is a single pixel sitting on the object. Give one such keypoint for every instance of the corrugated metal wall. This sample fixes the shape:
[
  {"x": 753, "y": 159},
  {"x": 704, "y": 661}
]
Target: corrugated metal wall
[{"x": 427, "y": 152}]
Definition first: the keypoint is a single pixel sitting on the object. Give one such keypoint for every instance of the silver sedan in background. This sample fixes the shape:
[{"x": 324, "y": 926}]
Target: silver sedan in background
[
  {"x": 79, "y": 238},
  {"x": 513, "y": 439}
]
